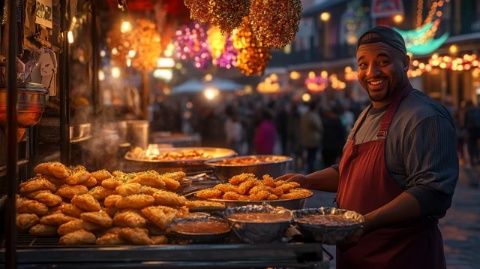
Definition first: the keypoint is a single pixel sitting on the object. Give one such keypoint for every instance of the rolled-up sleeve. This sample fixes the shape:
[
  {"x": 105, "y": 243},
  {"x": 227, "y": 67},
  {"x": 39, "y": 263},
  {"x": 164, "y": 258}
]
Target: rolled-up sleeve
[{"x": 431, "y": 164}]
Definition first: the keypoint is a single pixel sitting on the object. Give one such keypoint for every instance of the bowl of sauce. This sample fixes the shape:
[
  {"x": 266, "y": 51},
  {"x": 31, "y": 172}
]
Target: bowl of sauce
[{"x": 200, "y": 229}]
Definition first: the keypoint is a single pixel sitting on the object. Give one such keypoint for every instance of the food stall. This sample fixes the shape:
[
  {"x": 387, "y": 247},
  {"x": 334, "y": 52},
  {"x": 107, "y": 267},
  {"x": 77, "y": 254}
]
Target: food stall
[{"x": 157, "y": 207}]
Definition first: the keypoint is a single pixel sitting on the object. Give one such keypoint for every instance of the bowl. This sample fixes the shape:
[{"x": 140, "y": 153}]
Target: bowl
[
  {"x": 291, "y": 204},
  {"x": 200, "y": 228},
  {"x": 328, "y": 225},
  {"x": 273, "y": 165},
  {"x": 259, "y": 223}
]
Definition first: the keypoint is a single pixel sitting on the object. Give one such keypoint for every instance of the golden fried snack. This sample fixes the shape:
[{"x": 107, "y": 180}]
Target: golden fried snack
[
  {"x": 238, "y": 179},
  {"x": 161, "y": 216},
  {"x": 159, "y": 240},
  {"x": 118, "y": 173},
  {"x": 170, "y": 183},
  {"x": 70, "y": 210},
  {"x": 101, "y": 175},
  {"x": 286, "y": 187},
  {"x": 267, "y": 180},
  {"x": 272, "y": 197},
  {"x": 54, "y": 169},
  {"x": 110, "y": 239},
  {"x": 31, "y": 206},
  {"x": 234, "y": 196},
  {"x": 149, "y": 178},
  {"x": 209, "y": 194},
  {"x": 54, "y": 180},
  {"x": 135, "y": 201},
  {"x": 79, "y": 237},
  {"x": 169, "y": 199},
  {"x": 257, "y": 189},
  {"x": 111, "y": 211},
  {"x": 69, "y": 227},
  {"x": 100, "y": 218},
  {"x": 111, "y": 200},
  {"x": 136, "y": 236},
  {"x": 43, "y": 230},
  {"x": 224, "y": 187},
  {"x": 128, "y": 189},
  {"x": 179, "y": 175},
  {"x": 79, "y": 177},
  {"x": 55, "y": 219},
  {"x": 31, "y": 195},
  {"x": 115, "y": 230},
  {"x": 100, "y": 192},
  {"x": 129, "y": 218},
  {"x": 111, "y": 183},
  {"x": 296, "y": 194},
  {"x": 48, "y": 198},
  {"x": 25, "y": 221},
  {"x": 201, "y": 203},
  {"x": 245, "y": 186},
  {"x": 148, "y": 190},
  {"x": 91, "y": 182},
  {"x": 86, "y": 202},
  {"x": 259, "y": 196},
  {"x": 67, "y": 191},
  {"x": 36, "y": 184}
]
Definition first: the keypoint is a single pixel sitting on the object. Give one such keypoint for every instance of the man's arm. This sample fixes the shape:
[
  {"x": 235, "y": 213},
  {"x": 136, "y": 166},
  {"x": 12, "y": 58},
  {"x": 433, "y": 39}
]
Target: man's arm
[{"x": 323, "y": 180}]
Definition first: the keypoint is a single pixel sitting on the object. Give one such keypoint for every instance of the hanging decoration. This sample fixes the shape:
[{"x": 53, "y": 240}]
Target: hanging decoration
[
  {"x": 198, "y": 10},
  {"x": 252, "y": 56},
  {"x": 316, "y": 83},
  {"x": 274, "y": 22},
  {"x": 216, "y": 40},
  {"x": 191, "y": 43},
  {"x": 227, "y": 14},
  {"x": 228, "y": 58},
  {"x": 464, "y": 63}
]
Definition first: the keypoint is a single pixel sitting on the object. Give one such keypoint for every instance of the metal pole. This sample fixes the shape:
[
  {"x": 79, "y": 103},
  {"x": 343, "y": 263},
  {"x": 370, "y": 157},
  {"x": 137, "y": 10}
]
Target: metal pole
[
  {"x": 11, "y": 233},
  {"x": 65, "y": 150}
]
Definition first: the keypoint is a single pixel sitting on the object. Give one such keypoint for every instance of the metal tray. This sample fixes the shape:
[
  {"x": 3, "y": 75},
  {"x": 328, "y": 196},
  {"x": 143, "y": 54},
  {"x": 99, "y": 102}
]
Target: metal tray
[
  {"x": 216, "y": 153},
  {"x": 286, "y": 203}
]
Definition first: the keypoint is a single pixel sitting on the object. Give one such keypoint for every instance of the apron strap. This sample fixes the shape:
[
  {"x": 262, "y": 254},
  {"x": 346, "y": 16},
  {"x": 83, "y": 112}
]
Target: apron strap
[{"x": 392, "y": 108}]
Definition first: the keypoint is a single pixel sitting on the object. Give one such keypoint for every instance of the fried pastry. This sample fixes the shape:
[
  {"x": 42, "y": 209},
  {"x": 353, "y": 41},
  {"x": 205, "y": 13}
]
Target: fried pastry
[
  {"x": 238, "y": 179},
  {"x": 100, "y": 218},
  {"x": 43, "y": 230},
  {"x": 169, "y": 199},
  {"x": 36, "y": 184},
  {"x": 135, "y": 201},
  {"x": 111, "y": 183},
  {"x": 31, "y": 195},
  {"x": 71, "y": 226},
  {"x": 79, "y": 237},
  {"x": 31, "y": 206},
  {"x": 129, "y": 218},
  {"x": 224, "y": 187},
  {"x": 78, "y": 177},
  {"x": 286, "y": 187},
  {"x": 55, "y": 219},
  {"x": 26, "y": 220},
  {"x": 86, "y": 202},
  {"x": 54, "y": 180},
  {"x": 110, "y": 239},
  {"x": 296, "y": 194},
  {"x": 48, "y": 198},
  {"x": 245, "y": 186},
  {"x": 148, "y": 190},
  {"x": 136, "y": 236},
  {"x": 267, "y": 180},
  {"x": 101, "y": 175},
  {"x": 175, "y": 175},
  {"x": 170, "y": 183},
  {"x": 234, "y": 196},
  {"x": 91, "y": 182},
  {"x": 111, "y": 200},
  {"x": 201, "y": 203},
  {"x": 161, "y": 216},
  {"x": 128, "y": 189},
  {"x": 67, "y": 191},
  {"x": 159, "y": 240},
  {"x": 149, "y": 178},
  {"x": 209, "y": 194},
  {"x": 55, "y": 169},
  {"x": 70, "y": 210},
  {"x": 100, "y": 192},
  {"x": 260, "y": 195}
]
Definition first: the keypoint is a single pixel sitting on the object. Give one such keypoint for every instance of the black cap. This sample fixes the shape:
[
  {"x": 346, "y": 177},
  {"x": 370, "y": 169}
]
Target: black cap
[{"x": 384, "y": 35}]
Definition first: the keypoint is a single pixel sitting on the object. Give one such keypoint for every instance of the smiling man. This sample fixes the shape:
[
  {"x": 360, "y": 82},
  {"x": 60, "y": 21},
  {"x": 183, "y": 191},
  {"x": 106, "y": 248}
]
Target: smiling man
[{"x": 399, "y": 167}]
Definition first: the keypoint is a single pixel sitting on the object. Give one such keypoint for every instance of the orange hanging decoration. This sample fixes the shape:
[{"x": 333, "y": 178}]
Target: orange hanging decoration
[
  {"x": 228, "y": 14},
  {"x": 274, "y": 22},
  {"x": 198, "y": 10}
]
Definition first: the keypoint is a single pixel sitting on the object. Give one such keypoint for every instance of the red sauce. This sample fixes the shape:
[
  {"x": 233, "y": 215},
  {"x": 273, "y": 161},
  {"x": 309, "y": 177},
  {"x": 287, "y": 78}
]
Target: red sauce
[
  {"x": 328, "y": 220},
  {"x": 261, "y": 217},
  {"x": 201, "y": 227}
]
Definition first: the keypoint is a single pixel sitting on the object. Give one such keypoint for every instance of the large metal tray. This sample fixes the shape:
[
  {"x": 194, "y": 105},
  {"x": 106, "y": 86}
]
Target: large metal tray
[
  {"x": 215, "y": 153},
  {"x": 286, "y": 203}
]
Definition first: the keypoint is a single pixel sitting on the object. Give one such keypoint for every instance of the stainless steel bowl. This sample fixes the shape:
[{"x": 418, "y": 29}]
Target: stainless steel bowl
[
  {"x": 328, "y": 234},
  {"x": 291, "y": 204},
  {"x": 198, "y": 237},
  {"x": 224, "y": 170},
  {"x": 258, "y": 232}
]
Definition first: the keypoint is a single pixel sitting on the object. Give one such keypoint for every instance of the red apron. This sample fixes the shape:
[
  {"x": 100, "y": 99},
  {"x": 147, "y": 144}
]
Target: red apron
[{"x": 366, "y": 185}]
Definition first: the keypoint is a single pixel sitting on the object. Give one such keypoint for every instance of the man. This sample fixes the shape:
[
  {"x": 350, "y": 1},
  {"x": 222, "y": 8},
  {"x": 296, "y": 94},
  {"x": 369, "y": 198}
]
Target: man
[{"x": 399, "y": 166}]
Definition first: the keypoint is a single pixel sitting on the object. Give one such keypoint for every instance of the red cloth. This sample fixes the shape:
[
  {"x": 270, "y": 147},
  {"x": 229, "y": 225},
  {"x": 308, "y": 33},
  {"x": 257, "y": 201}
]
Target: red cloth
[
  {"x": 366, "y": 185},
  {"x": 265, "y": 137}
]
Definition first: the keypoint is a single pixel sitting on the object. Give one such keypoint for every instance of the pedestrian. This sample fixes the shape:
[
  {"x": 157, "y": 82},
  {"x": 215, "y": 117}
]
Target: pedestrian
[
  {"x": 311, "y": 133},
  {"x": 233, "y": 129},
  {"x": 334, "y": 136},
  {"x": 265, "y": 134},
  {"x": 399, "y": 167},
  {"x": 472, "y": 125}
]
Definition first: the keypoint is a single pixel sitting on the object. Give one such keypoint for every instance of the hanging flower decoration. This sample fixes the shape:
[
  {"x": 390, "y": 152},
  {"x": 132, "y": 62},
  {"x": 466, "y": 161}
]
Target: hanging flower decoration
[
  {"x": 228, "y": 14},
  {"x": 274, "y": 22},
  {"x": 191, "y": 43},
  {"x": 198, "y": 10},
  {"x": 216, "y": 40},
  {"x": 252, "y": 56},
  {"x": 228, "y": 58}
]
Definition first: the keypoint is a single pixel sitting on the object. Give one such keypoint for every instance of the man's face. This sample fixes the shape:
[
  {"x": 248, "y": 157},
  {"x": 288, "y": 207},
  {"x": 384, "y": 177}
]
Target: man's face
[{"x": 381, "y": 70}]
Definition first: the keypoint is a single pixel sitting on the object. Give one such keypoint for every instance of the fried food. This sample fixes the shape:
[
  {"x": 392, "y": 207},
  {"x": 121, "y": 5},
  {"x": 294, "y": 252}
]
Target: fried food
[
  {"x": 161, "y": 216},
  {"x": 224, "y": 187},
  {"x": 169, "y": 199},
  {"x": 296, "y": 194},
  {"x": 54, "y": 169},
  {"x": 159, "y": 240},
  {"x": 100, "y": 192},
  {"x": 267, "y": 180},
  {"x": 101, "y": 175},
  {"x": 129, "y": 218},
  {"x": 111, "y": 183},
  {"x": 175, "y": 175},
  {"x": 79, "y": 177},
  {"x": 25, "y": 221},
  {"x": 43, "y": 230},
  {"x": 238, "y": 179},
  {"x": 245, "y": 186},
  {"x": 55, "y": 219},
  {"x": 209, "y": 194},
  {"x": 91, "y": 182},
  {"x": 259, "y": 196},
  {"x": 100, "y": 218},
  {"x": 54, "y": 180},
  {"x": 110, "y": 239},
  {"x": 32, "y": 207},
  {"x": 69, "y": 227},
  {"x": 135, "y": 201},
  {"x": 79, "y": 237},
  {"x": 36, "y": 184},
  {"x": 111, "y": 200},
  {"x": 272, "y": 197},
  {"x": 234, "y": 196},
  {"x": 149, "y": 178},
  {"x": 286, "y": 187},
  {"x": 170, "y": 183},
  {"x": 71, "y": 210},
  {"x": 47, "y": 198},
  {"x": 148, "y": 190},
  {"x": 201, "y": 203},
  {"x": 86, "y": 202},
  {"x": 67, "y": 191},
  {"x": 136, "y": 236},
  {"x": 128, "y": 189},
  {"x": 31, "y": 195}
]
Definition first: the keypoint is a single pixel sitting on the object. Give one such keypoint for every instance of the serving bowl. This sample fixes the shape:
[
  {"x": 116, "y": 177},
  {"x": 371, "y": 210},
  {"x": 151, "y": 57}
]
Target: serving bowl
[
  {"x": 200, "y": 229},
  {"x": 291, "y": 204},
  {"x": 273, "y": 165},
  {"x": 259, "y": 223},
  {"x": 328, "y": 225}
]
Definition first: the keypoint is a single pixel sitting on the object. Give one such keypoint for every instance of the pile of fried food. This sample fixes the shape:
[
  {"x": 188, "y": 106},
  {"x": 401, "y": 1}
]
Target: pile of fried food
[
  {"x": 247, "y": 160},
  {"x": 246, "y": 187},
  {"x": 170, "y": 155},
  {"x": 99, "y": 207}
]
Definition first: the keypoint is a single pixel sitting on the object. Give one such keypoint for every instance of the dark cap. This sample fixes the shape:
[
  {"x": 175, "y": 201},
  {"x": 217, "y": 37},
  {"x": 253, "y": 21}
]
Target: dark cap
[{"x": 384, "y": 35}]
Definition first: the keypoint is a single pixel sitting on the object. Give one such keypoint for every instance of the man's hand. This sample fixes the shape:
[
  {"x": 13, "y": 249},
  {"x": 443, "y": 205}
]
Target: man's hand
[
  {"x": 323, "y": 180},
  {"x": 292, "y": 177}
]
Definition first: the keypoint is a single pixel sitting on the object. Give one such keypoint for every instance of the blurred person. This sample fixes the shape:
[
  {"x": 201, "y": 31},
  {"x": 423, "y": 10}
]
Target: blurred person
[
  {"x": 233, "y": 129},
  {"x": 311, "y": 133},
  {"x": 399, "y": 167},
  {"x": 265, "y": 134},
  {"x": 472, "y": 126},
  {"x": 333, "y": 137}
]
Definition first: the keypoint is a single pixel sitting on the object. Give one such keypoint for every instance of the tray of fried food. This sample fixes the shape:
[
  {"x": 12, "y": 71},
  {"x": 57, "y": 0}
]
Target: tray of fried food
[
  {"x": 99, "y": 207},
  {"x": 246, "y": 189}
]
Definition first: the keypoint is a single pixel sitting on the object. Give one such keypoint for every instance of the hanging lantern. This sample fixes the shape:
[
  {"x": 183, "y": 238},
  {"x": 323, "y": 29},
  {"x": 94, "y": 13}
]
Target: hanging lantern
[
  {"x": 228, "y": 14},
  {"x": 198, "y": 10},
  {"x": 252, "y": 57},
  {"x": 274, "y": 22}
]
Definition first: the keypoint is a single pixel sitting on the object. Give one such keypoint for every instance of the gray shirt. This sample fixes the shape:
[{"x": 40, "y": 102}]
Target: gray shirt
[{"x": 420, "y": 150}]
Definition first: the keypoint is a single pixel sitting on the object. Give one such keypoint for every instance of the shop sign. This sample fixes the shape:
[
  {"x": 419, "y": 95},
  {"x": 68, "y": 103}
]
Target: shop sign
[{"x": 386, "y": 8}]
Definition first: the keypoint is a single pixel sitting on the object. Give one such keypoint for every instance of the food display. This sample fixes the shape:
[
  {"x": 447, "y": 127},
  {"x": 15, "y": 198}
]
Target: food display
[
  {"x": 201, "y": 226},
  {"x": 261, "y": 217},
  {"x": 157, "y": 154},
  {"x": 248, "y": 160},
  {"x": 328, "y": 220},
  {"x": 99, "y": 207}
]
